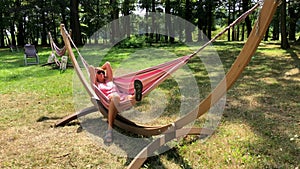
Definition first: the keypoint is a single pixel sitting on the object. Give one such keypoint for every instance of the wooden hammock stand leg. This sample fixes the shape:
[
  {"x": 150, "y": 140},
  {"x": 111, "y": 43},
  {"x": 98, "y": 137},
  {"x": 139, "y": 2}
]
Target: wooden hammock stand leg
[
  {"x": 76, "y": 115},
  {"x": 139, "y": 160},
  {"x": 95, "y": 108}
]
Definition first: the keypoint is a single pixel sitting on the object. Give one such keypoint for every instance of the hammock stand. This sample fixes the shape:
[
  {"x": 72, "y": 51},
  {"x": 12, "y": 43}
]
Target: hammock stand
[
  {"x": 56, "y": 51},
  {"x": 175, "y": 130}
]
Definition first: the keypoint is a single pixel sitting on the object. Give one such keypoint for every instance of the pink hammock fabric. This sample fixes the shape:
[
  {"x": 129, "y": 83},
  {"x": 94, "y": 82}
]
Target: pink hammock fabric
[
  {"x": 150, "y": 77},
  {"x": 58, "y": 51}
]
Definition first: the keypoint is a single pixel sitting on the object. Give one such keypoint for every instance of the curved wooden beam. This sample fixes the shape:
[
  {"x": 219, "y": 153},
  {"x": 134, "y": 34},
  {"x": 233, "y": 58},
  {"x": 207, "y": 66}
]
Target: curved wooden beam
[
  {"x": 243, "y": 59},
  {"x": 148, "y": 151},
  {"x": 74, "y": 116}
]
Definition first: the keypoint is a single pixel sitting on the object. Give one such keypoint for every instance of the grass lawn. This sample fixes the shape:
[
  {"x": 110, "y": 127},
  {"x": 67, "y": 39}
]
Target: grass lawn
[{"x": 260, "y": 126}]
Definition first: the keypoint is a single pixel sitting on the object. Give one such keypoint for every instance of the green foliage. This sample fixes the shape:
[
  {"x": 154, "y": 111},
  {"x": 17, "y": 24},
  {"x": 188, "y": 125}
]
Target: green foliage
[
  {"x": 137, "y": 41},
  {"x": 31, "y": 20}
]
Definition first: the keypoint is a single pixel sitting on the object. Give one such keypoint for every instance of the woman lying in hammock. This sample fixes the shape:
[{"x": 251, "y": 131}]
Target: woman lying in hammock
[{"x": 102, "y": 77}]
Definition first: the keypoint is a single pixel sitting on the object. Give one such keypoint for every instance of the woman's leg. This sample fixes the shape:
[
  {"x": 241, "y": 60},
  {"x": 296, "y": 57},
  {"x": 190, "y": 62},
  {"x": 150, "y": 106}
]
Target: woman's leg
[
  {"x": 112, "y": 110},
  {"x": 112, "y": 113}
]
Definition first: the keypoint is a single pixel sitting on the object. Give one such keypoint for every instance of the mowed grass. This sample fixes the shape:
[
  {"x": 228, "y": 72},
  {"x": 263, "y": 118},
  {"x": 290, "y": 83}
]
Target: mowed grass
[{"x": 259, "y": 128}]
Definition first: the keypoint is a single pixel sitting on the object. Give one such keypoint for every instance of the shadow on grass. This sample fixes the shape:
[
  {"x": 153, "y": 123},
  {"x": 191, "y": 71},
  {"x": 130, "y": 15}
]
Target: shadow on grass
[
  {"x": 45, "y": 118},
  {"x": 295, "y": 58},
  {"x": 172, "y": 155},
  {"x": 269, "y": 103},
  {"x": 127, "y": 144}
]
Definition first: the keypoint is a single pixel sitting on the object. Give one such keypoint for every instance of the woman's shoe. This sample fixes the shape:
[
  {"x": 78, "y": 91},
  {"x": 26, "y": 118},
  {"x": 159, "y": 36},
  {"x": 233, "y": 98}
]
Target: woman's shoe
[
  {"x": 138, "y": 89},
  {"x": 108, "y": 138}
]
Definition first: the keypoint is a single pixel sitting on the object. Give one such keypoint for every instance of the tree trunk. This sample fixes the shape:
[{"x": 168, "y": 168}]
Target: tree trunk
[
  {"x": 247, "y": 20},
  {"x": 200, "y": 23},
  {"x": 188, "y": 32},
  {"x": 146, "y": 18},
  {"x": 1, "y": 30},
  {"x": 233, "y": 18},
  {"x": 19, "y": 19},
  {"x": 8, "y": 39},
  {"x": 243, "y": 32},
  {"x": 63, "y": 13},
  {"x": 153, "y": 24},
  {"x": 276, "y": 26},
  {"x": 209, "y": 19},
  {"x": 12, "y": 32},
  {"x": 229, "y": 20},
  {"x": 127, "y": 18},
  {"x": 284, "y": 40},
  {"x": 20, "y": 35},
  {"x": 74, "y": 22},
  {"x": 44, "y": 31},
  {"x": 293, "y": 20},
  {"x": 168, "y": 26},
  {"x": 267, "y": 34},
  {"x": 239, "y": 25}
]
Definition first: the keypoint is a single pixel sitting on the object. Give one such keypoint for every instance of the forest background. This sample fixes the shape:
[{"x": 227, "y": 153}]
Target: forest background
[{"x": 29, "y": 21}]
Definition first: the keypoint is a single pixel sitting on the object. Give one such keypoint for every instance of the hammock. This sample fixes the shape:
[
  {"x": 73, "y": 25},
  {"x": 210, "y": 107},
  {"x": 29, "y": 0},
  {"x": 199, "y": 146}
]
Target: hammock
[
  {"x": 52, "y": 59},
  {"x": 55, "y": 48},
  {"x": 153, "y": 76},
  {"x": 175, "y": 130},
  {"x": 150, "y": 77}
]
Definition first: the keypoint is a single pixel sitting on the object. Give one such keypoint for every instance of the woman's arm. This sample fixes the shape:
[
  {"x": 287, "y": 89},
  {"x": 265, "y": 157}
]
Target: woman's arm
[
  {"x": 92, "y": 75},
  {"x": 109, "y": 73}
]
